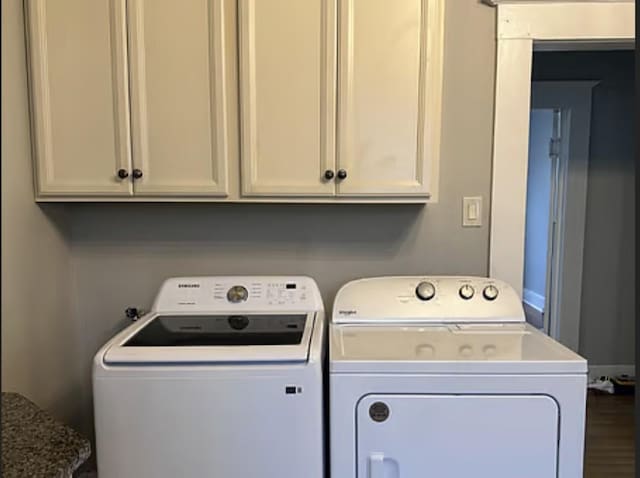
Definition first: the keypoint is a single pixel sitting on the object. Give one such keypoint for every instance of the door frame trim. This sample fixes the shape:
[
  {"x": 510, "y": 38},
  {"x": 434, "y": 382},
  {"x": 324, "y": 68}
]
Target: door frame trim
[{"x": 521, "y": 28}]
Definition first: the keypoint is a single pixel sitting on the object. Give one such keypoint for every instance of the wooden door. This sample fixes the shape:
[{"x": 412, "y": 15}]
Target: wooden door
[
  {"x": 179, "y": 74},
  {"x": 79, "y": 97},
  {"x": 287, "y": 94},
  {"x": 389, "y": 96}
]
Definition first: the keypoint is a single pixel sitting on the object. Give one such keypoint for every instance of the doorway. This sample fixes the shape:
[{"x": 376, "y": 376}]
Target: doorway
[
  {"x": 557, "y": 180},
  {"x": 540, "y": 216},
  {"x": 521, "y": 28},
  {"x": 595, "y": 312}
]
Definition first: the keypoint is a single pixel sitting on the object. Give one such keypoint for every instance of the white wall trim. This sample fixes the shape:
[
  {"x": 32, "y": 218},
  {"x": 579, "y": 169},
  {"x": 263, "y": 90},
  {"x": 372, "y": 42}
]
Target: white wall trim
[
  {"x": 596, "y": 371},
  {"x": 533, "y": 299},
  {"x": 520, "y": 25}
]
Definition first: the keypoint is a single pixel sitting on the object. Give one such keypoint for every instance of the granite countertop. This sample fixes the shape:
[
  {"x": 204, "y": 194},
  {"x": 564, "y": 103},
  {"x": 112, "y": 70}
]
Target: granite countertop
[{"x": 35, "y": 445}]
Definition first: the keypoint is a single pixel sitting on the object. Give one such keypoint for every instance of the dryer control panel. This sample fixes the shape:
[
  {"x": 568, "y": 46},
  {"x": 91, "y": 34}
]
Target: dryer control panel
[
  {"x": 442, "y": 299},
  {"x": 238, "y": 294}
]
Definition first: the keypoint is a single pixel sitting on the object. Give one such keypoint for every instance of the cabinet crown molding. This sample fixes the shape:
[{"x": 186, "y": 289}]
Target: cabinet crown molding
[{"x": 495, "y": 3}]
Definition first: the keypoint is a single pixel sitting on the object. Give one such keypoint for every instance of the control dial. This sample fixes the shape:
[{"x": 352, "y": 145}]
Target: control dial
[
  {"x": 237, "y": 294},
  {"x": 490, "y": 292},
  {"x": 425, "y": 291},
  {"x": 466, "y": 292}
]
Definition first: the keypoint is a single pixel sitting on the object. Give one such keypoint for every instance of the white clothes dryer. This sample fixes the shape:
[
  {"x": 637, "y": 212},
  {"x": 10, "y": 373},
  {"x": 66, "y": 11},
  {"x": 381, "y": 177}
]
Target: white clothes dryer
[
  {"x": 442, "y": 376},
  {"x": 223, "y": 378}
]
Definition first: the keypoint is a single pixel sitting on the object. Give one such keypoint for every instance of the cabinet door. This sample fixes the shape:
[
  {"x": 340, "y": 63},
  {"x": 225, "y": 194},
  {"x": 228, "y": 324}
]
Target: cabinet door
[
  {"x": 178, "y": 96},
  {"x": 390, "y": 62},
  {"x": 79, "y": 96},
  {"x": 287, "y": 94}
]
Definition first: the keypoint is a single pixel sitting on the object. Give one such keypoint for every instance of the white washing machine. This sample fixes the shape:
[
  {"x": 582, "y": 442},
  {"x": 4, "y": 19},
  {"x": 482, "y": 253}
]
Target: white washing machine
[
  {"x": 223, "y": 378},
  {"x": 442, "y": 377}
]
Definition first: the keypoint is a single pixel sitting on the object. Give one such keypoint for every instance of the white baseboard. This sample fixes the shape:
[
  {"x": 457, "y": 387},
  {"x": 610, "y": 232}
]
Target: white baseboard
[
  {"x": 533, "y": 299},
  {"x": 534, "y": 316},
  {"x": 596, "y": 371}
]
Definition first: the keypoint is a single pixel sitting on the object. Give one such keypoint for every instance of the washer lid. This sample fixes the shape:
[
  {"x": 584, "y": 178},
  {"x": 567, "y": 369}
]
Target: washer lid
[
  {"x": 462, "y": 348},
  {"x": 182, "y": 338}
]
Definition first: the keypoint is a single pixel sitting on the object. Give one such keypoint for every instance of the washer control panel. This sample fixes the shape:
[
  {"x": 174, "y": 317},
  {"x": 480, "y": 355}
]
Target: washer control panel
[
  {"x": 236, "y": 293},
  {"x": 428, "y": 299},
  {"x": 425, "y": 290}
]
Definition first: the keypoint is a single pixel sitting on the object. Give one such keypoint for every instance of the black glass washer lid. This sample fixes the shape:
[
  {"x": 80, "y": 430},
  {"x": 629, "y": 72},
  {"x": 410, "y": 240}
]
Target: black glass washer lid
[
  {"x": 214, "y": 339},
  {"x": 219, "y": 330}
]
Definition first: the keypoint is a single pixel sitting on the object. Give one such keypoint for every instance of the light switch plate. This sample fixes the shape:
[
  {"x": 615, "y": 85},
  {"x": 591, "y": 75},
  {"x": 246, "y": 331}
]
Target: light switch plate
[{"x": 472, "y": 211}]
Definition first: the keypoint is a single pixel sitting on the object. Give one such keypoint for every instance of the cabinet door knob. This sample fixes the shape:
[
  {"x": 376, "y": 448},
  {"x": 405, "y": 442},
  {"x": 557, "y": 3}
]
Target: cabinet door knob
[
  {"x": 342, "y": 174},
  {"x": 123, "y": 173},
  {"x": 137, "y": 174},
  {"x": 328, "y": 174}
]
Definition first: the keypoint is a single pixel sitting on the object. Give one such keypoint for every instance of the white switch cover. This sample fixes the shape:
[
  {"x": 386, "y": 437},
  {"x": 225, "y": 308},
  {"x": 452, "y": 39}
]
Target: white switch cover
[{"x": 472, "y": 211}]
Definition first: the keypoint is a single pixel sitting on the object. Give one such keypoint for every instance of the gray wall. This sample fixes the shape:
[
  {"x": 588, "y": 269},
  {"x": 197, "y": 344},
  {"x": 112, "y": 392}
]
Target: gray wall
[
  {"x": 538, "y": 195},
  {"x": 40, "y": 338},
  {"x": 122, "y": 252},
  {"x": 114, "y": 256},
  {"x": 608, "y": 290}
]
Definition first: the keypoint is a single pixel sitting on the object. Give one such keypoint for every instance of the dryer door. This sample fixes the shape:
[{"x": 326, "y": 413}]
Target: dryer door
[{"x": 457, "y": 436}]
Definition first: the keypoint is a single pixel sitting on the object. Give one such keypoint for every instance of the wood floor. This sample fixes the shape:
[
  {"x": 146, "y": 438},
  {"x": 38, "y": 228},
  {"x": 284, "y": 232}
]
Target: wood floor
[{"x": 610, "y": 441}]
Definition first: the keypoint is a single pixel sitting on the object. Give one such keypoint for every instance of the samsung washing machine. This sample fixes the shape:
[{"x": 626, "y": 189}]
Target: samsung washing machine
[
  {"x": 223, "y": 378},
  {"x": 442, "y": 376}
]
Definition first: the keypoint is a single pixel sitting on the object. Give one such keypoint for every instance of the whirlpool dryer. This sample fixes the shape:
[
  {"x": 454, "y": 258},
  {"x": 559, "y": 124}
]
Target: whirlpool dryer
[
  {"x": 441, "y": 376},
  {"x": 223, "y": 378}
]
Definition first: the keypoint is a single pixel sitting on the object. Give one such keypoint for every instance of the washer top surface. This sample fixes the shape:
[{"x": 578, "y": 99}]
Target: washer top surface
[
  {"x": 203, "y": 320},
  {"x": 449, "y": 348},
  {"x": 439, "y": 325}
]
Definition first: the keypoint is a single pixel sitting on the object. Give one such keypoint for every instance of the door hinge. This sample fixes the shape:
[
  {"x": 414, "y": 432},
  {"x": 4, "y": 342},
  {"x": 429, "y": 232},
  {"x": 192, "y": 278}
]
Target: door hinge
[{"x": 554, "y": 147}]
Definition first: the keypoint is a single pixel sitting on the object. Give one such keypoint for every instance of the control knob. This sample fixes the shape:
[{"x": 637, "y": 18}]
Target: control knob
[
  {"x": 490, "y": 292},
  {"x": 237, "y": 294},
  {"x": 466, "y": 292},
  {"x": 425, "y": 290}
]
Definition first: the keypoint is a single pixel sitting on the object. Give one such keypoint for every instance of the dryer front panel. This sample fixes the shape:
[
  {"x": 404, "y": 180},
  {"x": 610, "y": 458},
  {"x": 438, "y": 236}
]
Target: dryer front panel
[{"x": 456, "y": 436}]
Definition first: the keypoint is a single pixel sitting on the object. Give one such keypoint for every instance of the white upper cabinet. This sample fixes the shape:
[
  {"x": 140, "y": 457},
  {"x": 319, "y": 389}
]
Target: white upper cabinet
[
  {"x": 287, "y": 96},
  {"x": 236, "y": 100},
  {"x": 179, "y": 100},
  {"x": 390, "y": 81},
  {"x": 79, "y": 97}
]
